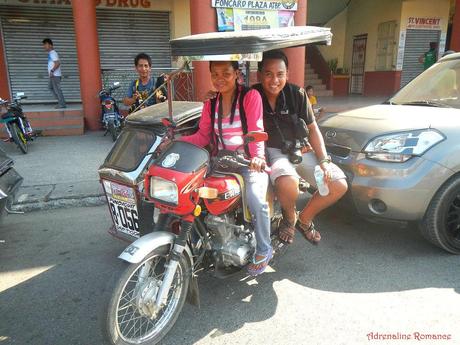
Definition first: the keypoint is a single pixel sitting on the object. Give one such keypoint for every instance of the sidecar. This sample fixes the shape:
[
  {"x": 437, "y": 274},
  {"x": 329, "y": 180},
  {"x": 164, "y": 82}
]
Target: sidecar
[{"x": 122, "y": 173}]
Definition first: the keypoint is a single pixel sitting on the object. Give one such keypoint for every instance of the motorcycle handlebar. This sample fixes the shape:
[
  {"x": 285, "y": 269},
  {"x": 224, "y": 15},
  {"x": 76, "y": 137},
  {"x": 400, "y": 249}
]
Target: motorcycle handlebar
[{"x": 241, "y": 161}]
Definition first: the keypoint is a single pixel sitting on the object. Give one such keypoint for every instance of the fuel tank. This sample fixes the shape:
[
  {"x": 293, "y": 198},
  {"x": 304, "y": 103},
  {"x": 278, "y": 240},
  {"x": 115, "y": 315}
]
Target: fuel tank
[{"x": 229, "y": 194}]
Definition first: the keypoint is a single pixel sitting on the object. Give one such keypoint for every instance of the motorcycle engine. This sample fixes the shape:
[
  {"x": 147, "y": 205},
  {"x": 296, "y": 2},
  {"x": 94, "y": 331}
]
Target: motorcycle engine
[{"x": 232, "y": 244}]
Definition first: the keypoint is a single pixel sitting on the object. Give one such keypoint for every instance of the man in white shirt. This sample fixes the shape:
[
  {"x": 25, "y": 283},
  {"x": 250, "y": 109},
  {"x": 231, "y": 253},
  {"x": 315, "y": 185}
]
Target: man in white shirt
[{"x": 54, "y": 72}]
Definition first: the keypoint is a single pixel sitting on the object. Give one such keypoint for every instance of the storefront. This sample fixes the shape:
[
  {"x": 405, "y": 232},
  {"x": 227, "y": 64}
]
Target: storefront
[
  {"x": 123, "y": 29},
  {"x": 380, "y": 43},
  {"x": 94, "y": 36}
]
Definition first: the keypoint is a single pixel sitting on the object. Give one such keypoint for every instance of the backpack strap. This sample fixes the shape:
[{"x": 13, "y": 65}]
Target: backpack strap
[
  {"x": 135, "y": 88},
  {"x": 244, "y": 123}
]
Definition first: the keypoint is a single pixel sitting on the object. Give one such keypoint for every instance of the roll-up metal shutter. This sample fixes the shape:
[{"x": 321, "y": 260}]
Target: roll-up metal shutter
[
  {"x": 417, "y": 43},
  {"x": 23, "y": 29},
  {"x": 124, "y": 34}
]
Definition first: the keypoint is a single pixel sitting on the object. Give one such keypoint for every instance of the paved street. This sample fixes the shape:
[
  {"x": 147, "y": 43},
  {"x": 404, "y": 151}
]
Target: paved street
[{"x": 55, "y": 266}]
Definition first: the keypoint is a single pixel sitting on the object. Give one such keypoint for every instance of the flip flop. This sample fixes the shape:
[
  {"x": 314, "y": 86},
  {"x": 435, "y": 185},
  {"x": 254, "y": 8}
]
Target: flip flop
[{"x": 262, "y": 263}]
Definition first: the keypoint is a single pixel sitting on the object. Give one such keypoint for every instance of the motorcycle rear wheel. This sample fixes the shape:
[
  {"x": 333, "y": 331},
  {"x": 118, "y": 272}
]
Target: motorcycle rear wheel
[
  {"x": 113, "y": 130},
  {"x": 126, "y": 323},
  {"x": 18, "y": 137}
]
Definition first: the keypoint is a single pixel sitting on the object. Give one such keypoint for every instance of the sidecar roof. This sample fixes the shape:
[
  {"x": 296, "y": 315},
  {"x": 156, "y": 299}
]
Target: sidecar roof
[
  {"x": 183, "y": 111},
  {"x": 248, "y": 42}
]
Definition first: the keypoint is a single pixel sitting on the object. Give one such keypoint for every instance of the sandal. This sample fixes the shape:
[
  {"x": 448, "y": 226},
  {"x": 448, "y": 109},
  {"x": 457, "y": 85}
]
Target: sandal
[
  {"x": 309, "y": 233},
  {"x": 261, "y": 263},
  {"x": 287, "y": 231}
]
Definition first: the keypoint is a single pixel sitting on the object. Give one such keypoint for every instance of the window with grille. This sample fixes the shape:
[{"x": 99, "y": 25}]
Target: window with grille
[{"x": 386, "y": 46}]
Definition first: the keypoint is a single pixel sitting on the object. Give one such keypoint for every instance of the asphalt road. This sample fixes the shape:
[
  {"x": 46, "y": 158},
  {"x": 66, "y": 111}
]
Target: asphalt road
[{"x": 362, "y": 281}]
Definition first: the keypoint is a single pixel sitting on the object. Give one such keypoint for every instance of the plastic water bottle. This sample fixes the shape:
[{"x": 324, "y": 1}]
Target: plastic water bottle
[{"x": 323, "y": 189}]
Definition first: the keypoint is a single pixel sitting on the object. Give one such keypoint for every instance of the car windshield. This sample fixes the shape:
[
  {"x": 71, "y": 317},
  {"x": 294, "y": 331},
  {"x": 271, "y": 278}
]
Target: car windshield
[{"x": 438, "y": 86}]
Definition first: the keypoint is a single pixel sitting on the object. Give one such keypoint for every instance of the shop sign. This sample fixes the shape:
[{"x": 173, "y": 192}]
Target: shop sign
[
  {"x": 119, "y": 4},
  {"x": 273, "y": 5},
  {"x": 430, "y": 23}
]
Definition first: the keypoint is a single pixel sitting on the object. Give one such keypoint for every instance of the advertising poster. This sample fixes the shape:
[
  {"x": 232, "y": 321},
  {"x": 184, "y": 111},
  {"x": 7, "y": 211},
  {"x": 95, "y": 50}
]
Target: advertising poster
[
  {"x": 255, "y": 20},
  {"x": 225, "y": 19}
]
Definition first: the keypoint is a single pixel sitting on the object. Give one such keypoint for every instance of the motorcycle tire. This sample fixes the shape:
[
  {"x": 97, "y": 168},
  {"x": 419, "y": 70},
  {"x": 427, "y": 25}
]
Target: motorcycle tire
[
  {"x": 18, "y": 137},
  {"x": 124, "y": 313},
  {"x": 113, "y": 130}
]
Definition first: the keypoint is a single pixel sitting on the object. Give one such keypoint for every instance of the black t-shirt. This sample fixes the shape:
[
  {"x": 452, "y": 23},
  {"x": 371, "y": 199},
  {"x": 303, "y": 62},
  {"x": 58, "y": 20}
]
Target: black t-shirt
[{"x": 290, "y": 94}]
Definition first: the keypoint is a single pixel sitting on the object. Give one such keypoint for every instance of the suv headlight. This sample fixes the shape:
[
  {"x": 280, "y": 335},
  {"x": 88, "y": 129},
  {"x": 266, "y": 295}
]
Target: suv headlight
[
  {"x": 400, "y": 147},
  {"x": 163, "y": 190}
]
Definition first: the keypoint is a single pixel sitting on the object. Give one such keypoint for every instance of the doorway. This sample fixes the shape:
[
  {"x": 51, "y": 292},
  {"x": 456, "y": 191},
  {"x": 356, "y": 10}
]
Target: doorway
[{"x": 357, "y": 64}]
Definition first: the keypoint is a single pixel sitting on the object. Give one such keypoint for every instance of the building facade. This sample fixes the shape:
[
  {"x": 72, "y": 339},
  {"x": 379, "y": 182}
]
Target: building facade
[
  {"x": 94, "y": 37},
  {"x": 378, "y": 43}
]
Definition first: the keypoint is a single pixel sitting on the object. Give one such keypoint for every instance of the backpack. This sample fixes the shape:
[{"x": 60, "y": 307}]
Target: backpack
[{"x": 243, "y": 90}]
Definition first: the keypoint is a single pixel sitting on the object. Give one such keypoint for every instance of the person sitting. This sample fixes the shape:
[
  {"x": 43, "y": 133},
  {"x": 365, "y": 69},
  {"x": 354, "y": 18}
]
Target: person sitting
[
  {"x": 224, "y": 121},
  {"x": 141, "y": 89},
  {"x": 293, "y": 150},
  {"x": 317, "y": 110}
]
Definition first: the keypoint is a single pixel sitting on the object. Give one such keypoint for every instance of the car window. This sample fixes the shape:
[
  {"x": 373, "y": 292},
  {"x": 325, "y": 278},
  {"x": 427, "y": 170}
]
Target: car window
[{"x": 439, "y": 85}]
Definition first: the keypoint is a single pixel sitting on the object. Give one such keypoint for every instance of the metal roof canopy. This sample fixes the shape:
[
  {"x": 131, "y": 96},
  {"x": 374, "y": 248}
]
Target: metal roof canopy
[{"x": 238, "y": 43}]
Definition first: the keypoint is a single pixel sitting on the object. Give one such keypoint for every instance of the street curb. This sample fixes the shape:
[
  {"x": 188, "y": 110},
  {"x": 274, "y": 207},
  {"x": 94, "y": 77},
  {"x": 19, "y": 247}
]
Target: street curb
[{"x": 60, "y": 203}]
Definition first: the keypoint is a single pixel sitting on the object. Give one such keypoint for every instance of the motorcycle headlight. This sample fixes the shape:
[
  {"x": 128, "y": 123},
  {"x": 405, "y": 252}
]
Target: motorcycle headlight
[
  {"x": 163, "y": 190},
  {"x": 400, "y": 147}
]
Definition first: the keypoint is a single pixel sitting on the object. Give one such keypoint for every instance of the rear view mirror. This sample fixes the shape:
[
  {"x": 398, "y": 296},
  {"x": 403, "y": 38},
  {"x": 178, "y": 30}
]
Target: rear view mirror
[
  {"x": 20, "y": 94},
  {"x": 117, "y": 83},
  {"x": 254, "y": 137}
]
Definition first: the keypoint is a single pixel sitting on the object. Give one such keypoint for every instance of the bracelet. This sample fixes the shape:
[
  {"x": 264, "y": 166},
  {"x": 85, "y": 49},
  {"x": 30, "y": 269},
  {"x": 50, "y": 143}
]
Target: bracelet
[{"x": 327, "y": 159}]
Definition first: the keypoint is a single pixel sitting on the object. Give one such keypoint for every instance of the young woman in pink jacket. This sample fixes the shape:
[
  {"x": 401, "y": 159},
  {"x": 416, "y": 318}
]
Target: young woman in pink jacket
[{"x": 233, "y": 125}]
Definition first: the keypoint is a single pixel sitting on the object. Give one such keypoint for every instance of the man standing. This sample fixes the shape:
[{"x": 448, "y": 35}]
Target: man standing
[
  {"x": 142, "y": 88},
  {"x": 54, "y": 72},
  {"x": 293, "y": 150},
  {"x": 430, "y": 57}
]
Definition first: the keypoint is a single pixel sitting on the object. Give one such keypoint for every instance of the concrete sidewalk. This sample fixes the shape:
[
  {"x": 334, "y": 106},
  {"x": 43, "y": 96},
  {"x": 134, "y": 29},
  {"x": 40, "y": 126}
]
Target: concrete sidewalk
[{"x": 62, "y": 171}]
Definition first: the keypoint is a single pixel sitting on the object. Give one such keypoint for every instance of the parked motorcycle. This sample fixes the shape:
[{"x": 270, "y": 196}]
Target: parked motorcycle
[
  {"x": 204, "y": 225},
  {"x": 10, "y": 181},
  {"x": 112, "y": 120},
  {"x": 16, "y": 124}
]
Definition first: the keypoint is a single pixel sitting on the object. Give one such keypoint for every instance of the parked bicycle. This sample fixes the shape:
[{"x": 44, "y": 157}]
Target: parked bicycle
[
  {"x": 16, "y": 123},
  {"x": 112, "y": 120}
]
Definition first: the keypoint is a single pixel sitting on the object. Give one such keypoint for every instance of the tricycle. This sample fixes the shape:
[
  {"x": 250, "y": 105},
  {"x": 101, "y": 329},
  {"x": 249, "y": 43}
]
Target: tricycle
[{"x": 203, "y": 223}]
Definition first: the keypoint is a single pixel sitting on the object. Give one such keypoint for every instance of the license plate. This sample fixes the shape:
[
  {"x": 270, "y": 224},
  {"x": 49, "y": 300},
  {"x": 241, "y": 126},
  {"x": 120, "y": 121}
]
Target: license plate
[
  {"x": 109, "y": 116},
  {"x": 123, "y": 207}
]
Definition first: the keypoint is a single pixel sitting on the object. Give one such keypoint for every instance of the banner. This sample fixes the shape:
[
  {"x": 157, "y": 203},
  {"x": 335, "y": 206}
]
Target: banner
[
  {"x": 273, "y": 5},
  {"x": 255, "y": 20}
]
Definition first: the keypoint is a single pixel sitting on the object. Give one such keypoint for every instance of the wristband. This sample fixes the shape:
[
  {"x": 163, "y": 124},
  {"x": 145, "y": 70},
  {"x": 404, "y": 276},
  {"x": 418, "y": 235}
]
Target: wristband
[{"x": 327, "y": 159}]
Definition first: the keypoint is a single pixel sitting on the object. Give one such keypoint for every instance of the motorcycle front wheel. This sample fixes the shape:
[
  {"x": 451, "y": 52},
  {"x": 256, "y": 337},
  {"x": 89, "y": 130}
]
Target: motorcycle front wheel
[
  {"x": 18, "y": 137},
  {"x": 132, "y": 317}
]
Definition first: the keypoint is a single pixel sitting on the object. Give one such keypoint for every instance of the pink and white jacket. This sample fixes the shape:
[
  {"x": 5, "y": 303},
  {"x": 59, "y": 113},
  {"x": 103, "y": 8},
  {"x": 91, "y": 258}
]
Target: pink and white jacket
[{"x": 232, "y": 133}]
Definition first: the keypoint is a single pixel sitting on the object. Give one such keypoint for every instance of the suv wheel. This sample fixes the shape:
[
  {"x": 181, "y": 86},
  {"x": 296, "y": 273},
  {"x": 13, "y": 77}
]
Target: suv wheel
[{"x": 441, "y": 224}]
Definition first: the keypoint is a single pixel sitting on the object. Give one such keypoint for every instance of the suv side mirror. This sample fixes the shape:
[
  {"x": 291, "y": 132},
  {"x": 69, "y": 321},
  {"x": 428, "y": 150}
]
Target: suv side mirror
[{"x": 20, "y": 94}]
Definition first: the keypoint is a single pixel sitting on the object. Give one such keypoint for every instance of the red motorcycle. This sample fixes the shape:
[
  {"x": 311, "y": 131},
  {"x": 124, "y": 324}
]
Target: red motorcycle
[{"x": 204, "y": 225}]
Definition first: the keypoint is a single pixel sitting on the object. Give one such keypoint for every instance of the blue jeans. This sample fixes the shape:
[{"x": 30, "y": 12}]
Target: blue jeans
[{"x": 256, "y": 184}]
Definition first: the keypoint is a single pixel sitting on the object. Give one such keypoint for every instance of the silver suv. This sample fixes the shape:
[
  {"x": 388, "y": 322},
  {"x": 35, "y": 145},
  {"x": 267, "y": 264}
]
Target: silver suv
[{"x": 402, "y": 158}]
